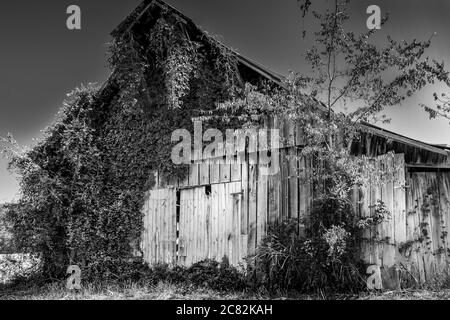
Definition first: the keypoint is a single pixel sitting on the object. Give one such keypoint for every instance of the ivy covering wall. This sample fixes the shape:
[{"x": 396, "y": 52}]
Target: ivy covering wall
[{"x": 83, "y": 185}]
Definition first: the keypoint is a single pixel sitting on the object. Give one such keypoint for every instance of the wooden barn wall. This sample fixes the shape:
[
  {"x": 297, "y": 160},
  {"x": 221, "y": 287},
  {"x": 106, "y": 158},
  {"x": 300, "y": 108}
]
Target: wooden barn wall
[
  {"x": 414, "y": 237},
  {"x": 379, "y": 243},
  {"x": 426, "y": 249},
  {"x": 224, "y": 210}
]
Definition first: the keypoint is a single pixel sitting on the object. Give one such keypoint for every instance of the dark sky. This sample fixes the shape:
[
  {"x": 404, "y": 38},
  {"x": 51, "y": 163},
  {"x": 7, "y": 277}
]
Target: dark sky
[{"x": 41, "y": 60}]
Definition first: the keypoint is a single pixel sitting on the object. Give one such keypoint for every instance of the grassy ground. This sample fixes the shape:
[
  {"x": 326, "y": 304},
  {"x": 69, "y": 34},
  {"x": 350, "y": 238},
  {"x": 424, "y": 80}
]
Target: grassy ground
[
  {"x": 443, "y": 294},
  {"x": 162, "y": 291},
  {"x": 165, "y": 291}
]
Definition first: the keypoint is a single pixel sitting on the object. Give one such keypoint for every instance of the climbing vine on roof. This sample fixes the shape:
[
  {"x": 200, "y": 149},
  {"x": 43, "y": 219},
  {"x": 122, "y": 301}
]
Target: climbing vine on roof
[{"x": 83, "y": 185}]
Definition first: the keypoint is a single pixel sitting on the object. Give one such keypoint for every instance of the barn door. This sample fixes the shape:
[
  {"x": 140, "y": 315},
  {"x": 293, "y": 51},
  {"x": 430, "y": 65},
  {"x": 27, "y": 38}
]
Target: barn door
[
  {"x": 160, "y": 227},
  {"x": 210, "y": 224}
]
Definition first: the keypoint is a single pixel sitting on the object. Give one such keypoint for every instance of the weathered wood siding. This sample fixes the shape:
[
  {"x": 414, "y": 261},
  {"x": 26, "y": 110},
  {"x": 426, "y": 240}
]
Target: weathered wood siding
[
  {"x": 415, "y": 236},
  {"x": 210, "y": 224},
  {"x": 224, "y": 211},
  {"x": 426, "y": 249},
  {"x": 160, "y": 227},
  {"x": 379, "y": 243}
]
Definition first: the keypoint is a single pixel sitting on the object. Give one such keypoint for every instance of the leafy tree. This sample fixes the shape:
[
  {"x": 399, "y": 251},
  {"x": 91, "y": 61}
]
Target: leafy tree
[
  {"x": 83, "y": 185},
  {"x": 351, "y": 79}
]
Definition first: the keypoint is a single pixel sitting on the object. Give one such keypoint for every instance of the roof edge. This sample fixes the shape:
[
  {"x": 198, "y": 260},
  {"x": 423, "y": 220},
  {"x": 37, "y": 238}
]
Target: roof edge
[
  {"x": 403, "y": 139},
  {"x": 140, "y": 10}
]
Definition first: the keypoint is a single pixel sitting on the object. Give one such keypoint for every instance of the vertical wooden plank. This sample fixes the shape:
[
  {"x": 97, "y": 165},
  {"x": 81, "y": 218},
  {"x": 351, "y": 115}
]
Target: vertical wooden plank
[
  {"x": 204, "y": 172},
  {"x": 195, "y": 225},
  {"x": 222, "y": 219},
  {"x": 252, "y": 208},
  {"x": 192, "y": 215},
  {"x": 204, "y": 219},
  {"x": 194, "y": 174},
  {"x": 261, "y": 218},
  {"x": 150, "y": 236},
  {"x": 227, "y": 199},
  {"x": 304, "y": 193},
  {"x": 245, "y": 199},
  {"x": 211, "y": 225},
  {"x": 163, "y": 199},
  {"x": 293, "y": 184},
  {"x": 412, "y": 227},
  {"x": 201, "y": 236},
  {"x": 435, "y": 215},
  {"x": 204, "y": 224},
  {"x": 274, "y": 187},
  {"x": 214, "y": 222},
  {"x": 229, "y": 222},
  {"x": 225, "y": 172},
  {"x": 236, "y": 170},
  {"x": 390, "y": 232},
  {"x": 374, "y": 233},
  {"x": 181, "y": 236},
  {"x": 151, "y": 232},
  {"x": 174, "y": 226},
  {"x": 168, "y": 219},
  {"x": 237, "y": 223},
  {"x": 383, "y": 228},
  {"x": 284, "y": 184},
  {"x": 399, "y": 199},
  {"x": 410, "y": 224},
  {"x": 155, "y": 226},
  {"x": 418, "y": 199},
  {"x": 425, "y": 224},
  {"x": 187, "y": 226},
  {"x": 244, "y": 212},
  {"x": 158, "y": 227},
  {"x": 367, "y": 234},
  {"x": 164, "y": 215},
  {"x": 214, "y": 171},
  {"x": 195, "y": 221},
  {"x": 170, "y": 236}
]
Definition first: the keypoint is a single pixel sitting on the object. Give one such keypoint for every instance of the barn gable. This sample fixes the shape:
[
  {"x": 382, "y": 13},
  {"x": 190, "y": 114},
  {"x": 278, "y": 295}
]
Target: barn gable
[{"x": 224, "y": 209}]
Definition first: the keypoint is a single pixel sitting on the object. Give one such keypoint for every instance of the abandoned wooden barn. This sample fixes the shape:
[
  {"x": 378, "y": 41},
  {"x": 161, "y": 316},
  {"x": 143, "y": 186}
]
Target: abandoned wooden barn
[{"x": 225, "y": 209}]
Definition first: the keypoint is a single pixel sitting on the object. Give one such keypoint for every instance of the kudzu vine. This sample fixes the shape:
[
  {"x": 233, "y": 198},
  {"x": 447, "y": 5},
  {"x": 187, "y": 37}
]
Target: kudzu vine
[{"x": 83, "y": 185}]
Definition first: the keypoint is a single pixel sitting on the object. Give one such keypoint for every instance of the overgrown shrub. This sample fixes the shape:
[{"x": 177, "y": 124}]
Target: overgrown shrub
[
  {"x": 324, "y": 262},
  {"x": 6, "y": 242},
  {"x": 217, "y": 276},
  {"x": 208, "y": 274},
  {"x": 14, "y": 267},
  {"x": 83, "y": 185}
]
